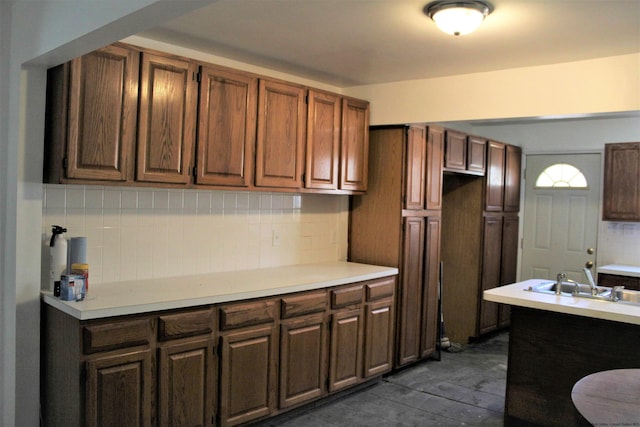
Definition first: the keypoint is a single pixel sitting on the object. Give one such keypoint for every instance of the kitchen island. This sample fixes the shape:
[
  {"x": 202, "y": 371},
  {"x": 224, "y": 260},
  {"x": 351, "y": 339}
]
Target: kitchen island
[
  {"x": 556, "y": 340},
  {"x": 219, "y": 349}
]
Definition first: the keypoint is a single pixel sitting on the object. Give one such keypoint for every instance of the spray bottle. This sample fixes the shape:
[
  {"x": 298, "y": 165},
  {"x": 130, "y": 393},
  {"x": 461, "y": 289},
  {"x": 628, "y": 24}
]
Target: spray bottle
[{"x": 57, "y": 255}]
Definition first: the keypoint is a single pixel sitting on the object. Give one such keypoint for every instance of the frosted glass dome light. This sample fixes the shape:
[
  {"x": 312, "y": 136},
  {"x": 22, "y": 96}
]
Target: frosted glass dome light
[{"x": 458, "y": 17}]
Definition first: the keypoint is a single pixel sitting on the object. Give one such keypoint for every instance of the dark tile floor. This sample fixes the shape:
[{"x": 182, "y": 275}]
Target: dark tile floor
[{"x": 465, "y": 388}]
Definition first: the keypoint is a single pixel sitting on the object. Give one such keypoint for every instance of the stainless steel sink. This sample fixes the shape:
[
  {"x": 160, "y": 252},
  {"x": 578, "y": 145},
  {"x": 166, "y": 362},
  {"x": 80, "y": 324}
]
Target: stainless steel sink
[{"x": 580, "y": 290}]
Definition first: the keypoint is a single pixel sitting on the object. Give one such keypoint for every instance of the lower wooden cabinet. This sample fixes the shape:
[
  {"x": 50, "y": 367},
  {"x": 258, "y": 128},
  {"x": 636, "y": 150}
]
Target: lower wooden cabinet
[{"x": 223, "y": 365}]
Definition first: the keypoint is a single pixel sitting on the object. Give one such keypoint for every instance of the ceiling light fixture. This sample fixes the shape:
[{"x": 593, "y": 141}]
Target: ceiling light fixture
[{"x": 458, "y": 17}]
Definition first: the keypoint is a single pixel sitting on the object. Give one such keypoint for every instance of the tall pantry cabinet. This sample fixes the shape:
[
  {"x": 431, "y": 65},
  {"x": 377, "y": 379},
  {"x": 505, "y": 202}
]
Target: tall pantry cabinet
[{"x": 397, "y": 224}]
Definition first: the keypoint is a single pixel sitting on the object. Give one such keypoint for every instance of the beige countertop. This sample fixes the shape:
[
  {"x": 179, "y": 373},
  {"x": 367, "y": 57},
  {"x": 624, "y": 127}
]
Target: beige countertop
[
  {"x": 517, "y": 295},
  {"x": 142, "y": 296},
  {"x": 621, "y": 270}
]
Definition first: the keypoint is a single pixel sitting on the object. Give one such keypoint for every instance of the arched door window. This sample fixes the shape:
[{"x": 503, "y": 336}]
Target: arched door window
[{"x": 561, "y": 175}]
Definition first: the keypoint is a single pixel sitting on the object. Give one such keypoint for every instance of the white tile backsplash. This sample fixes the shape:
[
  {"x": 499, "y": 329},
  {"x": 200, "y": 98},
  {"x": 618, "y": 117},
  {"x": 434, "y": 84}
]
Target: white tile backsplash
[
  {"x": 619, "y": 243},
  {"x": 140, "y": 233}
]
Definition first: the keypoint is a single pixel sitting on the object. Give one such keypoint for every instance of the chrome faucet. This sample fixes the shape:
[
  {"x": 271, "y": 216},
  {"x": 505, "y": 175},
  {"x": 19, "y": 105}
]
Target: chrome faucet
[
  {"x": 562, "y": 277},
  {"x": 592, "y": 283}
]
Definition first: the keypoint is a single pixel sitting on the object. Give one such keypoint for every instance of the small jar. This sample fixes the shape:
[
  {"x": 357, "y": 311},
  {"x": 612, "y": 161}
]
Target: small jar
[{"x": 80, "y": 268}]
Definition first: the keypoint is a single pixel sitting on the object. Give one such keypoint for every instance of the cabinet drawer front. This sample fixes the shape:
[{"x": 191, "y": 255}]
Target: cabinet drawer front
[
  {"x": 380, "y": 289},
  {"x": 346, "y": 296},
  {"x": 303, "y": 304},
  {"x": 182, "y": 325},
  {"x": 111, "y": 336},
  {"x": 254, "y": 313}
]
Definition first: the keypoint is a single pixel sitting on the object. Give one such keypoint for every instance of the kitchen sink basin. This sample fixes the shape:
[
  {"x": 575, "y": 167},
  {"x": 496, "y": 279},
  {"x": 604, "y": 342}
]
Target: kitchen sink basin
[{"x": 580, "y": 290}]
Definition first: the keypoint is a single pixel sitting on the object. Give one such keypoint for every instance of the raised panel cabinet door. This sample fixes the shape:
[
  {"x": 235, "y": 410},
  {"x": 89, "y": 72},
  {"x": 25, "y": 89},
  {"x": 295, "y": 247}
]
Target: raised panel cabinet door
[
  {"x": 247, "y": 375},
  {"x": 281, "y": 131},
  {"x": 102, "y": 114},
  {"x": 345, "y": 354},
  {"x": 513, "y": 161},
  {"x": 455, "y": 155},
  {"x": 410, "y": 294},
  {"x": 323, "y": 140},
  {"x": 509, "y": 263},
  {"x": 119, "y": 390},
  {"x": 494, "y": 192},
  {"x": 476, "y": 154},
  {"x": 186, "y": 384},
  {"x": 435, "y": 160},
  {"x": 167, "y": 119},
  {"x": 430, "y": 292},
  {"x": 378, "y": 337},
  {"x": 354, "y": 156},
  {"x": 226, "y": 127},
  {"x": 416, "y": 164},
  {"x": 621, "y": 193},
  {"x": 491, "y": 269},
  {"x": 303, "y": 349}
]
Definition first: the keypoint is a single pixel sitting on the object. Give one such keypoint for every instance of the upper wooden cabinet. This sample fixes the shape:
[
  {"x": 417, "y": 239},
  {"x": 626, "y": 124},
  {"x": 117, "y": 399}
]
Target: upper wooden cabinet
[
  {"x": 167, "y": 116},
  {"x": 435, "y": 149},
  {"x": 476, "y": 154},
  {"x": 621, "y": 194},
  {"x": 226, "y": 127},
  {"x": 91, "y": 117},
  {"x": 494, "y": 195},
  {"x": 354, "y": 156},
  {"x": 513, "y": 162},
  {"x": 323, "y": 140},
  {"x": 131, "y": 115},
  {"x": 281, "y": 131},
  {"x": 423, "y": 173},
  {"x": 464, "y": 153}
]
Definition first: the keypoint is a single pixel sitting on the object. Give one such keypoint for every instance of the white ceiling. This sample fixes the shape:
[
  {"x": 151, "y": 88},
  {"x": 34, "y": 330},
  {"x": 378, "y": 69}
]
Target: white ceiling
[{"x": 355, "y": 42}]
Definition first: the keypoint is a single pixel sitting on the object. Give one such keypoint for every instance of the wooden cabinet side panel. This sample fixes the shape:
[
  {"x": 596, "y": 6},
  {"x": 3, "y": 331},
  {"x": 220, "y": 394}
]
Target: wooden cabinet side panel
[
  {"x": 167, "y": 119},
  {"x": 323, "y": 140},
  {"x": 103, "y": 97},
  {"x": 226, "y": 127},
  {"x": 491, "y": 260},
  {"x": 303, "y": 350},
  {"x": 410, "y": 291},
  {"x": 119, "y": 389},
  {"x": 247, "y": 374},
  {"x": 435, "y": 154},
  {"x": 381, "y": 207},
  {"x": 430, "y": 292},
  {"x": 494, "y": 192},
  {"x": 354, "y": 157},
  {"x": 186, "y": 383},
  {"x": 281, "y": 131},
  {"x": 345, "y": 360},
  {"x": 621, "y": 194},
  {"x": 416, "y": 164},
  {"x": 513, "y": 163}
]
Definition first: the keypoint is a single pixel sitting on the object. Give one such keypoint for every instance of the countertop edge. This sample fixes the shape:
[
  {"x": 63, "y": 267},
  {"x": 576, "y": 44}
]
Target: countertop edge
[
  {"x": 620, "y": 270},
  {"x": 76, "y": 310}
]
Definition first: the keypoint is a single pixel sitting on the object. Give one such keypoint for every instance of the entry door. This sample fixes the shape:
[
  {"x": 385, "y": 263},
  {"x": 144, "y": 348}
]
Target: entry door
[{"x": 560, "y": 223}]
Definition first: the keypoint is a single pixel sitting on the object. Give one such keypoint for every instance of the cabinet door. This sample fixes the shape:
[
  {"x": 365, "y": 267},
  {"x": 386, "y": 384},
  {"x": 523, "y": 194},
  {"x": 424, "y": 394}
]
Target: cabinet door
[
  {"x": 247, "y": 374},
  {"x": 494, "y": 191},
  {"x": 345, "y": 354},
  {"x": 509, "y": 262},
  {"x": 226, "y": 127},
  {"x": 513, "y": 162},
  {"x": 476, "y": 154},
  {"x": 354, "y": 156},
  {"x": 166, "y": 127},
  {"x": 435, "y": 148},
  {"x": 430, "y": 292},
  {"x": 323, "y": 140},
  {"x": 281, "y": 131},
  {"x": 455, "y": 156},
  {"x": 119, "y": 390},
  {"x": 303, "y": 350},
  {"x": 410, "y": 295},
  {"x": 416, "y": 163},
  {"x": 378, "y": 337},
  {"x": 491, "y": 260},
  {"x": 621, "y": 194},
  {"x": 186, "y": 384},
  {"x": 103, "y": 98}
]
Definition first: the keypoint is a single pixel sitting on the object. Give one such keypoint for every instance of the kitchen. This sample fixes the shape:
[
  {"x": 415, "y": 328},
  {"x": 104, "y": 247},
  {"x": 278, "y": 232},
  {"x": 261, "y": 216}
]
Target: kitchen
[{"x": 21, "y": 283}]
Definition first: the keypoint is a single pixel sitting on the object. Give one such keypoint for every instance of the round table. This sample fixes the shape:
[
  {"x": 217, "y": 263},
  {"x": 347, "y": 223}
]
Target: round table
[{"x": 609, "y": 397}]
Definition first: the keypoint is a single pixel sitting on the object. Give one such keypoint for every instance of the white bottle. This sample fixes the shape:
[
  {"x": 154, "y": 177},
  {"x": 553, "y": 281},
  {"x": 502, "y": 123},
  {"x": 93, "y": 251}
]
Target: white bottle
[{"x": 57, "y": 255}]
